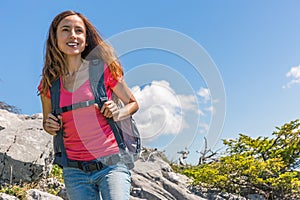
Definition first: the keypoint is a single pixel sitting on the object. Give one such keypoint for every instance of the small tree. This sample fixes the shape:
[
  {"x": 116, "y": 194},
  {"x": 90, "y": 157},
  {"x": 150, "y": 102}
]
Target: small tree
[{"x": 265, "y": 166}]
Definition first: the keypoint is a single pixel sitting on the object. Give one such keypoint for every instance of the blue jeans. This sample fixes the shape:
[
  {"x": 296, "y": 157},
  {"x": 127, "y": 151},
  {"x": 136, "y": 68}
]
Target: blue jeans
[{"x": 109, "y": 183}]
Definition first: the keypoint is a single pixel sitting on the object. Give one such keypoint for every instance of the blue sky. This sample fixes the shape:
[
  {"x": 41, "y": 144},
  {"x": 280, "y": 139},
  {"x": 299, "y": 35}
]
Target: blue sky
[{"x": 254, "y": 45}]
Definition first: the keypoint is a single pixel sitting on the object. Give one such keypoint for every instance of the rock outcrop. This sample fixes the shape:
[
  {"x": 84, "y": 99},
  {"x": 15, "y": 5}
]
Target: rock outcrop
[
  {"x": 26, "y": 151},
  {"x": 26, "y": 155},
  {"x": 154, "y": 179}
]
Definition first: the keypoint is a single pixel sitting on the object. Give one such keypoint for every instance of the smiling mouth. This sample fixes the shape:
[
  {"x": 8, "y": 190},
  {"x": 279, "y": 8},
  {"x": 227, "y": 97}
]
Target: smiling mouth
[{"x": 72, "y": 44}]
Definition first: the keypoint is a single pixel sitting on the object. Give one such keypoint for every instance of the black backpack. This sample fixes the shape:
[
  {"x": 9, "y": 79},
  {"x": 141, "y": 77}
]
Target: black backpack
[{"x": 125, "y": 131}]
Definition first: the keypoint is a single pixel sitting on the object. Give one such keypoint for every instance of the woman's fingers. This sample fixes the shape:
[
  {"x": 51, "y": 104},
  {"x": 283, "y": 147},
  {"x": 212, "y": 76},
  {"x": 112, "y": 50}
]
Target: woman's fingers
[
  {"x": 109, "y": 109},
  {"x": 52, "y": 123}
]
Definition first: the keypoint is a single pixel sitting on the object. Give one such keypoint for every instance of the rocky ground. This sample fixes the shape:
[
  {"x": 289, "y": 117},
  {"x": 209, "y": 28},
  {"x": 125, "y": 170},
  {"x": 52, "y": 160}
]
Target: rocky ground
[{"x": 26, "y": 154}]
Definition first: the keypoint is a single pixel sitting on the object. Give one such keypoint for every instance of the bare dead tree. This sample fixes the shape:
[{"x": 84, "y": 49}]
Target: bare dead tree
[{"x": 206, "y": 153}]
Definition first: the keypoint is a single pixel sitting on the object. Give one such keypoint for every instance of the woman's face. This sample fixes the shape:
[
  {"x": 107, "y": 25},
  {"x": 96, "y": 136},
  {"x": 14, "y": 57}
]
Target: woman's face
[{"x": 71, "y": 35}]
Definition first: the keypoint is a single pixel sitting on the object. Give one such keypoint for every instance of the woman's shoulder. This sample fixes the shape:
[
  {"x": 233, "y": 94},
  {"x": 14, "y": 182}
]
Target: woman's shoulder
[
  {"x": 40, "y": 90},
  {"x": 109, "y": 78}
]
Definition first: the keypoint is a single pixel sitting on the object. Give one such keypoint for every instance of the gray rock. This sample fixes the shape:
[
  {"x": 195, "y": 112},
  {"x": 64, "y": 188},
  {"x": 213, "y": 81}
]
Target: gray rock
[
  {"x": 63, "y": 194},
  {"x": 255, "y": 197},
  {"x": 26, "y": 151},
  {"x": 52, "y": 183},
  {"x": 4, "y": 196},
  {"x": 215, "y": 194},
  {"x": 39, "y": 195},
  {"x": 156, "y": 180}
]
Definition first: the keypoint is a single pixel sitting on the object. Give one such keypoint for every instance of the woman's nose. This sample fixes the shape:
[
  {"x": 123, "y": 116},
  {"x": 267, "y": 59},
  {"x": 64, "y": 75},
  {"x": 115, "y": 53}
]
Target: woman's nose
[{"x": 72, "y": 34}]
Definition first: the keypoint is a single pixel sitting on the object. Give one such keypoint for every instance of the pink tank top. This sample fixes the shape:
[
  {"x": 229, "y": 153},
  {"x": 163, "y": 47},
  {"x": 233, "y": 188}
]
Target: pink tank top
[{"x": 88, "y": 135}]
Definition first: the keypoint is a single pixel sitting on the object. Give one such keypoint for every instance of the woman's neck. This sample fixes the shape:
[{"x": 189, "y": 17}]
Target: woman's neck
[{"x": 73, "y": 64}]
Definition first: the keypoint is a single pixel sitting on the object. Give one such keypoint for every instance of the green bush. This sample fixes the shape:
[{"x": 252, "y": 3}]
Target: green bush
[
  {"x": 256, "y": 166},
  {"x": 19, "y": 191},
  {"x": 16, "y": 190},
  {"x": 56, "y": 172}
]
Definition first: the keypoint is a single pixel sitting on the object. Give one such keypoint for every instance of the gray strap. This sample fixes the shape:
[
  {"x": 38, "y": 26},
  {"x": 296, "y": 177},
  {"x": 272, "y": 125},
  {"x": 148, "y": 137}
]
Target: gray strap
[
  {"x": 58, "y": 139},
  {"x": 98, "y": 86}
]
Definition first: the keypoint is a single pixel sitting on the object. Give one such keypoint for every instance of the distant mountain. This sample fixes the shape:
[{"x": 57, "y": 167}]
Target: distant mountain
[{"x": 9, "y": 108}]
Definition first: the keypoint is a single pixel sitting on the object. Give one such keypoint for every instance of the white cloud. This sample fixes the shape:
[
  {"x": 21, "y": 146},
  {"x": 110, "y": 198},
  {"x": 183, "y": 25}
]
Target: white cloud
[
  {"x": 211, "y": 109},
  {"x": 161, "y": 110},
  {"x": 203, "y": 128},
  {"x": 294, "y": 73},
  {"x": 188, "y": 102},
  {"x": 205, "y": 94}
]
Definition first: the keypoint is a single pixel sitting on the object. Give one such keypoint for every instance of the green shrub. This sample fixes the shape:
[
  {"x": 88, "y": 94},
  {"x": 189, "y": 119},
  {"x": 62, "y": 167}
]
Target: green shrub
[
  {"x": 255, "y": 166},
  {"x": 19, "y": 191},
  {"x": 56, "y": 172},
  {"x": 16, "y": 190}
]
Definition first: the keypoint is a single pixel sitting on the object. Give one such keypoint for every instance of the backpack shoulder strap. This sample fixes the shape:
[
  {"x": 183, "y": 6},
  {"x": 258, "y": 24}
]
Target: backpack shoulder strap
[
  {"x": 55, "y": 97},
  {"x": 58, "y": 139},
  {"x": 96, "y": 73}
]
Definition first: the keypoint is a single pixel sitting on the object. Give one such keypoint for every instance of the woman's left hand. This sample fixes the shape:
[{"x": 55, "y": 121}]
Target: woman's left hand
[{"x": 110, "y": 109}]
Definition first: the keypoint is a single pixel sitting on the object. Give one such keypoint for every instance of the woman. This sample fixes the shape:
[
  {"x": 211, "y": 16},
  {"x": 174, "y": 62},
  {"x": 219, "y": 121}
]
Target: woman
[{"x": 88, "y": 137}]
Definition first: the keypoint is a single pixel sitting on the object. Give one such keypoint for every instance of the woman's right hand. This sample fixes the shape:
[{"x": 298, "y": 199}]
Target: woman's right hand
[{"x": 52, "y": 124}]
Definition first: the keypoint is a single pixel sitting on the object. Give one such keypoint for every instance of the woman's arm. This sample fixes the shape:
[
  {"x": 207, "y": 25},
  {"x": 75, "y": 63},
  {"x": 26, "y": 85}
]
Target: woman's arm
[
  {"x": 50, "y": 122},
  {"x": 110, "y": 109}
]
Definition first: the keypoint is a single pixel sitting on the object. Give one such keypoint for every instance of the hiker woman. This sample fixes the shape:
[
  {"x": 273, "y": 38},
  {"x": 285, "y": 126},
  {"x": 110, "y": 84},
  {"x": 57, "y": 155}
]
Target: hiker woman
[{"x": 94, "y": 169}]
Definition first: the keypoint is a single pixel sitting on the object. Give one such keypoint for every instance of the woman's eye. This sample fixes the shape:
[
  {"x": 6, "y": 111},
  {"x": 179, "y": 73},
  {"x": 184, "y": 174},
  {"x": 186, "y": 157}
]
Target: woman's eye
[
  {"x": 65, "y": 29},
  {"x": 79, "y": 31}
]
